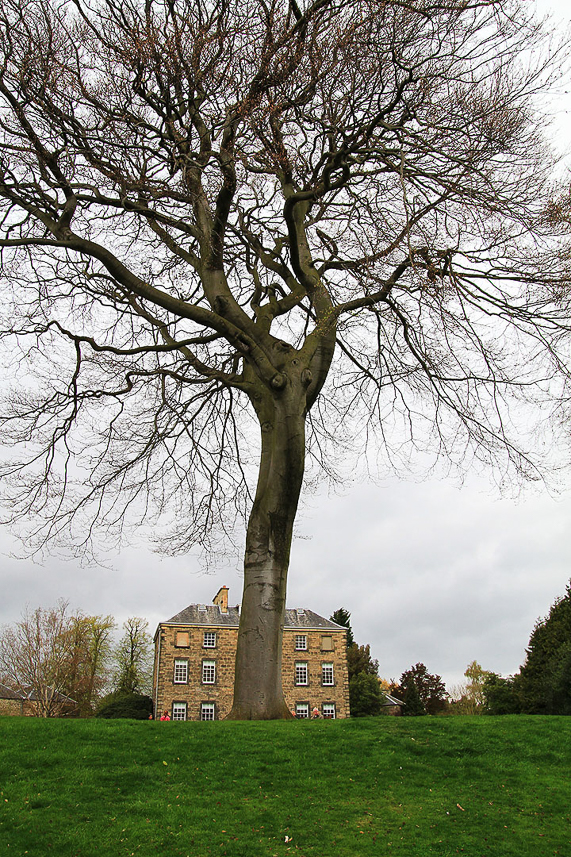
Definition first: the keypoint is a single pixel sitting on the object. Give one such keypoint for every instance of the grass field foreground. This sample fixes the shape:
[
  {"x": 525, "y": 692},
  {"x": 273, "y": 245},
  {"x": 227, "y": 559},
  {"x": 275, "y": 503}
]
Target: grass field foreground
[{"x": 397, "y": 786}]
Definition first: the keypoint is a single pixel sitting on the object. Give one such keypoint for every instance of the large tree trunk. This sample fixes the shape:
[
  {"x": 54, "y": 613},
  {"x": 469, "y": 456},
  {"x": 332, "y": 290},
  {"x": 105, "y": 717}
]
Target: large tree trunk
[{"x": 258, "y": 691}]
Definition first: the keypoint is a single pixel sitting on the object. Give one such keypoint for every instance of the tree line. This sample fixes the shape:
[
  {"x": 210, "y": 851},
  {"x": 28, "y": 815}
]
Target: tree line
[
  {"x": 420, "y": 691},
  {"x": 541, "y": 686},
  {"x": 52, "y": 655}
]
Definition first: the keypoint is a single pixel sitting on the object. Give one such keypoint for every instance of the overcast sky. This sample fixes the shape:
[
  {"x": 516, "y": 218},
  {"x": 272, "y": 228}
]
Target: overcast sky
[{"x": 430, "y": 571}]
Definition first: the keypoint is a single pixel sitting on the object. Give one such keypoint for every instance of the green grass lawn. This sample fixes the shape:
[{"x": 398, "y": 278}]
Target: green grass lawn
[{"x": 397, "y": 786}]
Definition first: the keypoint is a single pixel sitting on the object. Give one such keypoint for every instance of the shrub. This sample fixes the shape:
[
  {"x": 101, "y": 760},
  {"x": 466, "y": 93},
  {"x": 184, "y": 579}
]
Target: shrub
[{"x": 137, "y": 706}]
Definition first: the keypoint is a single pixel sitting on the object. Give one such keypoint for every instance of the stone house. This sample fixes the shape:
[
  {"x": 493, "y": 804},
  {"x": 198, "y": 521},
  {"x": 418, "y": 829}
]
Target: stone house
[
  {"x": 195, "y": 651},
  {"x": 24, "y": 703}
]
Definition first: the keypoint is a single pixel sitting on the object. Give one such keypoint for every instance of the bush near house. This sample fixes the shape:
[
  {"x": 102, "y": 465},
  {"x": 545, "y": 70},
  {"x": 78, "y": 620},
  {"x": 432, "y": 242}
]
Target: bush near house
[{"x": 135, "y": 706}]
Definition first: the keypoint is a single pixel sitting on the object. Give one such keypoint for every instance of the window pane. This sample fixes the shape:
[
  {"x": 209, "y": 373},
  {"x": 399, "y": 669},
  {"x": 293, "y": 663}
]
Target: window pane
[
  {"x": 302, "y": 710},
  {"x": 207, "y": 711},
  {"x": 329, "y": 710},
  {"x": 209, "y": 639},
  {"x": 301, "y": 642},
  {"x": 208, "y": 672},
  {"x": 301, "y": 673},
  {"x": 180, "y": 672},
  {"x": 179, "y": 711},
  {"x": 327, "y": 674}
]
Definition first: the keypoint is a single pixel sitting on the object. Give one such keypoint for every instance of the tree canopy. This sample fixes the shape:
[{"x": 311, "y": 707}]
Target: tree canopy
[
  {"x": 430, "y": 689},
  {"x": 343, "y": 617},
  {"x": 133, "y": 658},
  {"x": 216, "y": 214},
  {"x": 544, "y": 682}
]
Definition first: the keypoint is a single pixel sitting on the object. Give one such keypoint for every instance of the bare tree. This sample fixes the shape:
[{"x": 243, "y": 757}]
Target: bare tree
[
  {"x": 52, "y": 656},
  {"x": 35, "y": 657},
  {"x": 209, "y": 204}
]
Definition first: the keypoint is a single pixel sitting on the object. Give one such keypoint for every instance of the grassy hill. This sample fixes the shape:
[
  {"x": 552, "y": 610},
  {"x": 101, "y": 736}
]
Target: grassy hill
[{"x": 380, "y": 786}]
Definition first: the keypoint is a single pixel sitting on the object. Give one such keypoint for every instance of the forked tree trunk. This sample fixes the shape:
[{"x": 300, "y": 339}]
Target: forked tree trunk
[{"x": 258, "y": 691}]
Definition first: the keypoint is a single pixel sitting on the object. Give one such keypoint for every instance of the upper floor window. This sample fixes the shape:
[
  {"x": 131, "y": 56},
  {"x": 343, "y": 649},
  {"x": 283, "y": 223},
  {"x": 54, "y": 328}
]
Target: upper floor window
[
  {"x": 301, "y": 642},
  {"x": 208, "y": 672},
  {"x": 327, "y": 674},
  {"x": 301, "y": 673},
  {"x": 182, "y": 639},
  {"x": 179, "y": 711},
  {"x": 327, "y": 643},
  {"x": 210, "y": 639},
  {"x": 180, "y": 672}
]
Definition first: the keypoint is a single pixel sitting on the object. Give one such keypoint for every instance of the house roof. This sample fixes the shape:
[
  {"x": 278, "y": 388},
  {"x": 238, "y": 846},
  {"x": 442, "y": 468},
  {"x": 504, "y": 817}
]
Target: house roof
[
  {"x": 211, "y": 614},
  {"x": 28, "y": 693},
  {"x": 7, "y": 693},
  {"x": 392, "y": 700}
]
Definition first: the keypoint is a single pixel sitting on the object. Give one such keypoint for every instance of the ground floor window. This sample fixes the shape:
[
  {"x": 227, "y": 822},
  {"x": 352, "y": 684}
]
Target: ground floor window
[
  {"x": 329, "y": 710},
  {"x": 207, "y": 710},
  {"x": 302, "y": 710},
  {"x": 179, "y": 711}
]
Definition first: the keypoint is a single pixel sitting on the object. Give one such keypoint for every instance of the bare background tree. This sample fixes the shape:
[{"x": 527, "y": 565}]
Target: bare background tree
[
  {"x": 51, "y": 656},
  {"x": 208, "y": 206}
]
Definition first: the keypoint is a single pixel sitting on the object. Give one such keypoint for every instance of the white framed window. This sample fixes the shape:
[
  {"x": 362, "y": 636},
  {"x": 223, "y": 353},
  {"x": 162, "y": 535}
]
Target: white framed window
[
  {"x": 209, "y": 639},
  {"x": 301, "y": 642},
  {"x": 180, "y": 672},
  {"x": 302, "y": 710},
  {"x": 207, "y": 711},
  {"x": 329, "y": 710},
  {"x": 182, "y": 639},
  {"x": 208, "y": 672},
  {"x": 301, "y": 673},
  {"x": 327, "y": 643},
  {"x": 327, "y": 675},
  {"x": 179, "y": 711}
]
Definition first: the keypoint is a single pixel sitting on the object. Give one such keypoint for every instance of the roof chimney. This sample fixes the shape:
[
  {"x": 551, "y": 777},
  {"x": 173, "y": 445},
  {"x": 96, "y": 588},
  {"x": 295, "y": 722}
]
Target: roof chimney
[{"x": 221, "y": 599}]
